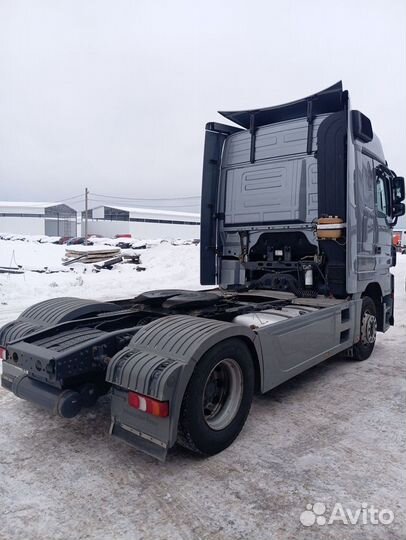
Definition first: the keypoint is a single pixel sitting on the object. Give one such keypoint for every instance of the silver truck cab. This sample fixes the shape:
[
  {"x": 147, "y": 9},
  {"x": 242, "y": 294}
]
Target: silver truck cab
[{"x": 269, "y": 185}]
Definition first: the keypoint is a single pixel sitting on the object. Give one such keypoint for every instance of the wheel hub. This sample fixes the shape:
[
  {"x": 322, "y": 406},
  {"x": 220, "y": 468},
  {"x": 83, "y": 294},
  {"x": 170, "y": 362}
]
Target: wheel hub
[
  {"x": 368, "y": 328},
  {"x": 222, "y": 394}
]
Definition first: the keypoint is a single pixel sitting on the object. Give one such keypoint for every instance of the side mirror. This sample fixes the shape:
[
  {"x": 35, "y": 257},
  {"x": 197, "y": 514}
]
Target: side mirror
[
  {"x": 398, "y": 187},
  {"x": 361, "y": 127},
  {"x": 398, "y": 210}
]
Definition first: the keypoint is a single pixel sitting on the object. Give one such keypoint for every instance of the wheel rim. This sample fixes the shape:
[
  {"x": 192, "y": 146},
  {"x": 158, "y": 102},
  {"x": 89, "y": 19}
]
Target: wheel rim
[
  {"x": 368, "y": 328},
  {"x": 222, "y": 394}
]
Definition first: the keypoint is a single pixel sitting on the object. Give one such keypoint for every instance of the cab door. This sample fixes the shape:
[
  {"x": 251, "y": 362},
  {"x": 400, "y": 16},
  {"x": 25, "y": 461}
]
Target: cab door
[
  {"x": 383, "y": 231},
  {"x": 366, "y": 216}
]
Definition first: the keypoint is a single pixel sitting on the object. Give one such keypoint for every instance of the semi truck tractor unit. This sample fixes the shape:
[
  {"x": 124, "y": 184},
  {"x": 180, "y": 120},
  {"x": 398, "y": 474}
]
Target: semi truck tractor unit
[{"x": 298, "y": 206}]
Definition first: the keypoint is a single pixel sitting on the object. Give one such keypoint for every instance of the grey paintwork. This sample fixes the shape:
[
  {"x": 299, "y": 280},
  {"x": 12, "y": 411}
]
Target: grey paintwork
[
  {"x": 282, "y": 186},
  {"x": 159, "y": 362},
  {"x": 367, "y": 231},
  {"x": 282, "y": 183},
  {"x": 161, "y": 357},
  {"x": 295, "y": 345}
]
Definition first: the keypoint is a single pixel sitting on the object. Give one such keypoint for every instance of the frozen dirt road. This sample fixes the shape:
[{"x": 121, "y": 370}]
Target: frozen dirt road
[{"x": 335, "y": 434}]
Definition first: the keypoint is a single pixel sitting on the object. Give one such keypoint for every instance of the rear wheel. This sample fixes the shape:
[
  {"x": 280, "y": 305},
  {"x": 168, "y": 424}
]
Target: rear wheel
[
  {"x": 218, "y": 398},
  {"x": 363, "y": 349}
]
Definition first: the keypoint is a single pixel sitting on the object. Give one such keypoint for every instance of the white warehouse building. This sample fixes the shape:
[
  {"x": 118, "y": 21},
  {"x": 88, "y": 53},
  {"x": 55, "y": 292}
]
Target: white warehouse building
[
  {"x": 38, "y": 218},
  {"x": 141, "y": 223}
]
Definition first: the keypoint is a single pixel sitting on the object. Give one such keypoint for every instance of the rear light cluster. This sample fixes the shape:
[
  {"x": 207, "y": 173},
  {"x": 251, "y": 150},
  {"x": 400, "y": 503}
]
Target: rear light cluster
[
  {"x": 3, "y": 353},
  {"x": 148, "y": 405}
]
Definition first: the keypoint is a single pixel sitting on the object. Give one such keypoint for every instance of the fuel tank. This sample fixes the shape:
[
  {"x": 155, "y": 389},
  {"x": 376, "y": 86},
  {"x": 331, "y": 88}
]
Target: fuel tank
[{"x": 259, "y": 319}]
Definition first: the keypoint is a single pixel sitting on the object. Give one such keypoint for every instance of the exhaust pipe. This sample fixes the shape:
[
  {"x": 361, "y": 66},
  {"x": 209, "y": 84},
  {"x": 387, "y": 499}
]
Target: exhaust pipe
[{"x": 64, "y": 403}]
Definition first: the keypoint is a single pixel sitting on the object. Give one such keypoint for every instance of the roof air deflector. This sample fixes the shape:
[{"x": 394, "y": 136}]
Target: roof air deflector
[{"x": 331, "y": 99}]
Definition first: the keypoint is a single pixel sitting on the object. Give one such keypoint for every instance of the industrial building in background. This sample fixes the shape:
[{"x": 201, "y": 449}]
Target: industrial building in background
[
  {"x": 44, "y": 218},
  {"x": 141, "y": 222}
]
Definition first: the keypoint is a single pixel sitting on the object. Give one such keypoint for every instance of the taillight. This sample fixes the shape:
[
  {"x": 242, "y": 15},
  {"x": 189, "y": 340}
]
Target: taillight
[
  {"x": 3, "y": 353},
  {"x": 148, "y": 405}
]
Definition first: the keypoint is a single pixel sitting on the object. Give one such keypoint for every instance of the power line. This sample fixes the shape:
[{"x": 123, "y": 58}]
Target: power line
[
  {"x": 164, "y": 202},
  {"x": 167, "y": 207},
  {"x": 143, "y": 206},
  {"x": 135, "y": 205},
  {"x": 100, "y": 197},
  {"x": 70, "y": 198},
  {"x": 73, "y": 197},
  {"x": 145, "y": 199}
]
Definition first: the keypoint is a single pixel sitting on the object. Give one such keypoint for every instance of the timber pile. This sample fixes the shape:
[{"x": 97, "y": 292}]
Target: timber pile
[
  {"x": 109, "y": 263},
  {"x": 90, "y": 254},
  {"x": 11, "y": 270},
  {"x": 101, "y": 257},
  {"x": 132, "y": 258}
]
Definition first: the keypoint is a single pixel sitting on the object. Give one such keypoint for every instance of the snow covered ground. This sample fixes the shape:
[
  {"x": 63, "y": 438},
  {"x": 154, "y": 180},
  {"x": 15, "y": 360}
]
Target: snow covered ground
[
  {"x": 334, "y": 434},
  {"x": 167, "y": 266}
]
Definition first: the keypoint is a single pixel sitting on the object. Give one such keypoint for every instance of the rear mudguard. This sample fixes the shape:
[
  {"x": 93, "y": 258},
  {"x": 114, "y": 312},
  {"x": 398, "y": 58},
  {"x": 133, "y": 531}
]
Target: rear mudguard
[
  {"x": 159, "y": 362},
  {"x": 50, "y": 313}
]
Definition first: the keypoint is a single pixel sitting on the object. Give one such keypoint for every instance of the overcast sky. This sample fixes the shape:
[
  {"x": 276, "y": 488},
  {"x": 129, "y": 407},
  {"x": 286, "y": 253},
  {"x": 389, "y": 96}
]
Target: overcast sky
[{"x": 114, "y": 95}]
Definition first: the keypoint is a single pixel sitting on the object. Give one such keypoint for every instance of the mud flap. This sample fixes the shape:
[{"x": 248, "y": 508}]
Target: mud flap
[
  {"x": 158, "y": 363},
  {"x": 139, "y": 440},
  {"x": 142, "y": 431}
]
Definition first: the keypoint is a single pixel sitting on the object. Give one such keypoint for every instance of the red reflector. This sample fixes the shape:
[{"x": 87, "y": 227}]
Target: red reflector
[
  {"x": 148, "y": 405},
  {"x": 2, "y": 353}
]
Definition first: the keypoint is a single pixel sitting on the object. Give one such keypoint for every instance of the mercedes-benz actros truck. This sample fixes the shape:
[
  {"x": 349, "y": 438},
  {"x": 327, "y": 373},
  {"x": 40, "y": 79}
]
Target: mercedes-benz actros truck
[{"x": 298, "y": 205}]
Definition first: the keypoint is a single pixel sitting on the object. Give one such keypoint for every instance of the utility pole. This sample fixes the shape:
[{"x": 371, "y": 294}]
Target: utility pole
[{"x": 86, "y": 205}]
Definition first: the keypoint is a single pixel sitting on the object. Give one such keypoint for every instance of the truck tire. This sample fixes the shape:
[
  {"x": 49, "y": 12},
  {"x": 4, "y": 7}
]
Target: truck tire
[
  {"x": 363, "y": 349},
  {"x": 218, "y": 398}
]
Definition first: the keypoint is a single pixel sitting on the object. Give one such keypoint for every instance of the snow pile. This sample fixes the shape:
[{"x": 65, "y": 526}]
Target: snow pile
[
  {"x": 31, "y": 238},
  {"x": 167, "y": 267},
  {"x": 136, "y": 242}
]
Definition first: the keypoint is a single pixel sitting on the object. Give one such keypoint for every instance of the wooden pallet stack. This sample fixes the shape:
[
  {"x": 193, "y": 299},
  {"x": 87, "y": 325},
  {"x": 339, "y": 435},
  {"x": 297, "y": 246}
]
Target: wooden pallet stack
[
  {"x": 101, "y": 257},
  {"x": 92, "y": 255}
]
